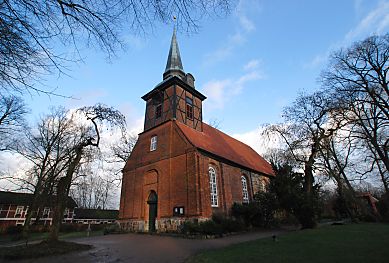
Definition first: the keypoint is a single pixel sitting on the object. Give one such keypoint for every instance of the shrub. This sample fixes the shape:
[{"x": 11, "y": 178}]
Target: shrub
[
  {"x": 35, "y": 228},
  {"x": 260, "y": 213},
  {"x": 209, "y": 227},
  {"x": 244, "y": 213},
  {"x": 111, "y": 229},
  {"x": 218, "y": 225},
  {"x": 14, "y": 230},
  {"x": 229, "y": 225},
  {"x": 383, "y": 207},
  {"x": 66, "y": 228},
  {"x": 97, "y": 227},
  {"x": 190, "y": 227}
]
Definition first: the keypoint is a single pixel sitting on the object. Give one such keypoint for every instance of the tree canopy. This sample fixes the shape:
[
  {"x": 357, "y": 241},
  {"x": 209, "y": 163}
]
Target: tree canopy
[{"x": 32, "y": 32}]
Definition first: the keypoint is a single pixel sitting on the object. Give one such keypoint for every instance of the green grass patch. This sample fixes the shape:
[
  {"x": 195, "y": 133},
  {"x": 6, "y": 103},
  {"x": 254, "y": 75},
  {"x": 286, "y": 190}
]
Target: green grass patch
[
  {"x": 346, "y": 243},
  {"x": 40, "y": 250}
]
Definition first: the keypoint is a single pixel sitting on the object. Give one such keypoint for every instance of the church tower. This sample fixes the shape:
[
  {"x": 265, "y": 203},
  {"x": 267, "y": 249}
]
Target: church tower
[
  {"x": 176, "y": 97},
  {"x": 180, "y": 168}
]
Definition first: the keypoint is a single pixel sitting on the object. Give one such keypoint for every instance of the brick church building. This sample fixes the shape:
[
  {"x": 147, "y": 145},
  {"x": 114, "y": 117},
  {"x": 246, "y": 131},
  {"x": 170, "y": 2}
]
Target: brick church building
[{"x": 181, "y": 168}]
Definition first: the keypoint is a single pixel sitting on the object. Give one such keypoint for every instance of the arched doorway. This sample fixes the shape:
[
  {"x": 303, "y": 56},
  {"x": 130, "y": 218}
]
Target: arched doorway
[{"x": 152, "y": 201}]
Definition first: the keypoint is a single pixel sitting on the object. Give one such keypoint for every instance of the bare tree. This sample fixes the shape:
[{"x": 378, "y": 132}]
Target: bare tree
[
  {"x": 308, "y": 124},
  {"x": 12, "y": 112},
  {"x": 357, "y": 79},
  {"x": 215, "y": 123},
  {"x": 122, "y": 148},
  {"x": 44, "y": 147},
  {"x": 31, "y": 29},
  {"x": 93, "y": 191},
  {"x": 96, "y": 116}
]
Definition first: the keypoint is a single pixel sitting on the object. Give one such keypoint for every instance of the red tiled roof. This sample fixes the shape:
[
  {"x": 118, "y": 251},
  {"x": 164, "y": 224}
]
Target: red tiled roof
[{"x": 218, "y": 143}]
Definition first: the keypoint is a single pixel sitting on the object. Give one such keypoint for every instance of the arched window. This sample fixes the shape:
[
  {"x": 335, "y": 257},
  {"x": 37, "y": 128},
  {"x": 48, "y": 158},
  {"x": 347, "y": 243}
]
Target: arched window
[
  {"x": 244, "y": 190},
  {"x": 213, "y": 187}
]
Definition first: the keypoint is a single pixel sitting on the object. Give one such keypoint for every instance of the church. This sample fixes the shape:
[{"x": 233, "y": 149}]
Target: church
[{"x": 181, "y": 168}]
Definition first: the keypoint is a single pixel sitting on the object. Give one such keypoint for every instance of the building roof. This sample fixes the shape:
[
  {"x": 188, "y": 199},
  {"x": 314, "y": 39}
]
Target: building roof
[
  {"x": 82, "y": 213},
  {"x": 26, "y": 199},
  {"x": 213, "y": 141},
  {"x": 171, "y": 80},
  {"x": 174, "y": 63}
]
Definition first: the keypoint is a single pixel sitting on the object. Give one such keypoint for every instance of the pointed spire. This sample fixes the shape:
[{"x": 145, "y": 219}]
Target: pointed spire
[{"x": 174, "y": 65}]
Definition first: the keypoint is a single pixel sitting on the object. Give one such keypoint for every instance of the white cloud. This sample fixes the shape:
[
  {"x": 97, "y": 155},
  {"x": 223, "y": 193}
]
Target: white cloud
[
  {"x": 216, "y": 91},
  {"x": 251, "y": 65},
  {"x": 87, "y": 97},
  {"x": 135, "y": 42},
  {"x": 221, "y": 91},
  {"x": 244, "y": 25},
  {"x": 226, "y": 50},
  {"x": 375, "y": 22},
  {"x": 252, "y": 139},
  {"x": 260, "y": 143},
  {"x": 244, "y": 10}
]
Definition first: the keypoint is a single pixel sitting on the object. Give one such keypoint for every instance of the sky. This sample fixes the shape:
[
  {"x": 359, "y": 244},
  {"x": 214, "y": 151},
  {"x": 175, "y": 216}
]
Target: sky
[{"x": 249, "y": 64}]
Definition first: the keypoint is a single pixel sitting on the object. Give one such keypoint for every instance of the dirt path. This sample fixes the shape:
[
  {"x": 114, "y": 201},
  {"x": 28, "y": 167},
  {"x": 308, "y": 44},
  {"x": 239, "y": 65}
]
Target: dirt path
[{"x": 146, "y": 248}]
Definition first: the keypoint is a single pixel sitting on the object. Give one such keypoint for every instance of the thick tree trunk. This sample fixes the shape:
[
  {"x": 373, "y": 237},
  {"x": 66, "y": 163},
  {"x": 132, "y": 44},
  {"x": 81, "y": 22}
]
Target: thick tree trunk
[{"x": 62, "y": 195}]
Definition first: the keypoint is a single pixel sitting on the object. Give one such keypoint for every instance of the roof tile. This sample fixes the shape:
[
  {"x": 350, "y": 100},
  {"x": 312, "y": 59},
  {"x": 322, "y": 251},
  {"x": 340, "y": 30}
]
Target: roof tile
[{"x": 218, "y": 143}]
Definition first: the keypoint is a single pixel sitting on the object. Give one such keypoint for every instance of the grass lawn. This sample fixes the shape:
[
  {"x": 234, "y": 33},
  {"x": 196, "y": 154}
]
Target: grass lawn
[
  {"x": 348, "y": 243},
  {"x": 41, "y": 249}
]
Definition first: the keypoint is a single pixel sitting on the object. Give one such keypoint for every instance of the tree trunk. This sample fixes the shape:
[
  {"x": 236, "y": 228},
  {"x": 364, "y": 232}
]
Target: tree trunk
[{"x": 62, "y": 195}]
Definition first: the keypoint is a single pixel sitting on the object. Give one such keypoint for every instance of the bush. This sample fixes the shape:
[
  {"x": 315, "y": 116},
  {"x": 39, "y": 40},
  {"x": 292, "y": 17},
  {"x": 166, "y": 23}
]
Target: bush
[
  {"x": 14, "y": 230},
  {"x": 383, "y": 207},
  {"x": 66, "y": 228},
  {"x": 230, "y": 225},
  {"x": 260, "y": 213},
  {"x": 35, "y": 228},
  {"x": 111, "y": 229},
  {"x": 97, "y": 227},
  {"x": 190, "y": 227},
  {"x": 245, "y": 213},
  {"x": 209, "y": 227},
  {"x": 218, "y": 225},
  {"x": 267, "y": 204}
]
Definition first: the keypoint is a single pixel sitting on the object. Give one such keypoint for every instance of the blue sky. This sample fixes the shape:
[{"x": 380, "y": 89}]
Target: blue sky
[{"x": 250, "y": 64}]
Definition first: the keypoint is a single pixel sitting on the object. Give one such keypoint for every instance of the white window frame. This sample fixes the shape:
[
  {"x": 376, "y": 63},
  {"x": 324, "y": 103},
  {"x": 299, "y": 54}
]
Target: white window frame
[
  {"x": 46, "y": 212},
  {"x": 213, "y": 187},
  {"x": 245, "y": 192},
  {"x": 19, "y": 210},
  {"x": 66, "y": 213},
  {"x": 153, "y": 143}
]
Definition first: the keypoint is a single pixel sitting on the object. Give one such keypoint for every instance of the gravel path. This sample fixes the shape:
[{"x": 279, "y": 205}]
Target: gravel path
[{"x": 146, "y": 248}]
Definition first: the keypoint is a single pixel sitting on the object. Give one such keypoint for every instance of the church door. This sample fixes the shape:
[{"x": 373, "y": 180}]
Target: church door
[{"x": 152, "y": 201}]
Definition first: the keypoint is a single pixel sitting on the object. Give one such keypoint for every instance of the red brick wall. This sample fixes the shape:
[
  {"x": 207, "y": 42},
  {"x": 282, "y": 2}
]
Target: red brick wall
[{"x": 178, "y": 173}]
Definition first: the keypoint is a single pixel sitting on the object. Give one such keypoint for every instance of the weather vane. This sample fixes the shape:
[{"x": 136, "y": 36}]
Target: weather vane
[{"x": 175, "y": 21}]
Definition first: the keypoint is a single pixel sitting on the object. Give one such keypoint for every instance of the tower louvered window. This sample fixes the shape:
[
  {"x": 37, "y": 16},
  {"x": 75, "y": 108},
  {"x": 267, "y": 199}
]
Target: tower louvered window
[
  {"x": 213, "y": 187},
  {"x": 189, "y": 108},
  {"x": 158, "y": 111}
]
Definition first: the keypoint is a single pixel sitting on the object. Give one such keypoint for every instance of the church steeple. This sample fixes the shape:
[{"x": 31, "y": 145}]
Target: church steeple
[
  {"x": 175, "y": 98},
  {"x": 174, "y": 65}
]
